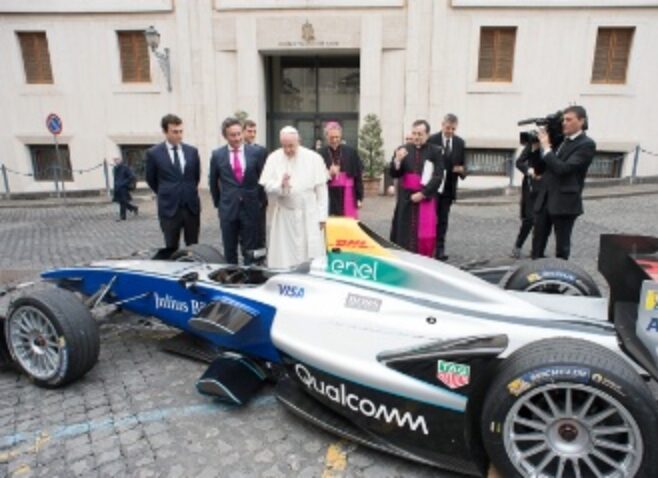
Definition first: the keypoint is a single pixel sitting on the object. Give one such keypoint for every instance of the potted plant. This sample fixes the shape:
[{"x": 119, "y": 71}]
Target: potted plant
[{"x": 371, "y": 150}]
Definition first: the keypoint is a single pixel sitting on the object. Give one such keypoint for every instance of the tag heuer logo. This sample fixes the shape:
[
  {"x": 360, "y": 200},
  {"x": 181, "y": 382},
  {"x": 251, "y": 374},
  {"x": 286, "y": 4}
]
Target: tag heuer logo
[{"x": 453, "y": 375}]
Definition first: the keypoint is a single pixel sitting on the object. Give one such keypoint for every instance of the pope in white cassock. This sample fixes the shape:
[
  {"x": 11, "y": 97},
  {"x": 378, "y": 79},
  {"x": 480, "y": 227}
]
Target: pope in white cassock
[{"x": 295, "y": 179}]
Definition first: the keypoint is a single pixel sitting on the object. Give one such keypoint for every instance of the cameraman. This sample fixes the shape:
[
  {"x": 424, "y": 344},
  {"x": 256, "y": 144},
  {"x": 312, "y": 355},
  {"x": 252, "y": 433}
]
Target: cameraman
[
  {"x": 530, "y": 164},
  {"x": 559, "y": 202}
]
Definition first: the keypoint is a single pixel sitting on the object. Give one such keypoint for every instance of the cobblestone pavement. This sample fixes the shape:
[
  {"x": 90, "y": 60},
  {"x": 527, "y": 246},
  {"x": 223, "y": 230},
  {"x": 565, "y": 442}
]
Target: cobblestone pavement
[{"x": 137, "y": 412}]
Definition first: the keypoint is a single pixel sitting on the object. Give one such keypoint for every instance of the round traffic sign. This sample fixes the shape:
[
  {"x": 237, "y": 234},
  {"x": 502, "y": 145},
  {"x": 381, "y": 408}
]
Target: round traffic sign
[{"x": 54, "y": 124}]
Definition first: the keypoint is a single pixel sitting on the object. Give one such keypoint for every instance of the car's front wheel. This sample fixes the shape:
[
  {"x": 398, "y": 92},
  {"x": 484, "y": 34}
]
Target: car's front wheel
[
  {"x": 52, "y": 337},
  {"x": 563, "y": 408}
]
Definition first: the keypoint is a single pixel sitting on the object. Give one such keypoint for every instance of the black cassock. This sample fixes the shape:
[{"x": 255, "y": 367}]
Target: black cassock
[
  {"x": 350, "y": 164},
  {"x": 410, "y": 218}
]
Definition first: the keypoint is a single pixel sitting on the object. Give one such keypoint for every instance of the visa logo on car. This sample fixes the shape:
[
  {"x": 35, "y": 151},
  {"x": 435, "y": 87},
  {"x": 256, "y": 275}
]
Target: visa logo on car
[{"x": 291, "y": 291}]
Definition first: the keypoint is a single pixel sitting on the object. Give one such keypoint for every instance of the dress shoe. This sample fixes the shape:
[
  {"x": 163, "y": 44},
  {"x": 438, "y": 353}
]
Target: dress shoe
[
  {"x": 442, "y": 257},
  {"x": 516, "y": 253},
  {"x": 136, "y": 211}
]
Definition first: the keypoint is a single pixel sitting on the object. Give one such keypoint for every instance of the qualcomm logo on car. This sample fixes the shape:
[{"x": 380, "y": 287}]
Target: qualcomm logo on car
[
  {"x": 169, "y": 303},
  {"x": 362, "y": 405}
]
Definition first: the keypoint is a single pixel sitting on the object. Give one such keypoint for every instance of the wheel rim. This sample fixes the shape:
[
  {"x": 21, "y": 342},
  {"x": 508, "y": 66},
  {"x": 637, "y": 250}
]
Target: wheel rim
[
  {"x": 572, "y": 430},
  {"x": 34, "y": 342},
  {"x": 554, "y": 286}
]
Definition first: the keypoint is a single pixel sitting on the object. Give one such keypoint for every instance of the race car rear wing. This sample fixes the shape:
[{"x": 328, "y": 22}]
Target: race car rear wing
[{"x": 630, "y": 266}]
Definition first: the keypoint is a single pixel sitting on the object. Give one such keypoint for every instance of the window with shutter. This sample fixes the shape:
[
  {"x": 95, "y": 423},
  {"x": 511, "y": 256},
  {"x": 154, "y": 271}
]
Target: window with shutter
[
  {"x": 133, "y": 50},
  {"x": 45, "y": 164},
  {"x": 36, "y": 58},
  {"x": 134, "y": 155},
  {"x": 613, "y": 47},
  {"x": 496, "y": 61}
]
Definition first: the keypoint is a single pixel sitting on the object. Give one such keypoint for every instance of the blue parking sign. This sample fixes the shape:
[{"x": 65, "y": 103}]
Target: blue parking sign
[{"x": 54, "y": 124}]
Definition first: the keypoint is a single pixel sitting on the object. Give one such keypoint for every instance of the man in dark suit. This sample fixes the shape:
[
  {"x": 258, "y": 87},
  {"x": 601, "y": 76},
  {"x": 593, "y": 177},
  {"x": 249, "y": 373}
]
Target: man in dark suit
[
  {"x": 453, "y": 153},
  {"x": 235, "y": 170},
  {"x": 123, "y": 181},
  {"x": 560, "y": 201},
  {"x": 530, "y": 164},
  {"x": 249, "y": 137},
  {"x": 173, "y": 173}
]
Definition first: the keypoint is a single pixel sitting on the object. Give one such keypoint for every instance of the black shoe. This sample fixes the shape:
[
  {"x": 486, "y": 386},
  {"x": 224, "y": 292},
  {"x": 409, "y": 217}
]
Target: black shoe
[
  {"x": 442, "y": 257},
  {"x": 516, "y": 253},
  {"x": 136, "y": 211},
  {"x": 120, "y": 219}
]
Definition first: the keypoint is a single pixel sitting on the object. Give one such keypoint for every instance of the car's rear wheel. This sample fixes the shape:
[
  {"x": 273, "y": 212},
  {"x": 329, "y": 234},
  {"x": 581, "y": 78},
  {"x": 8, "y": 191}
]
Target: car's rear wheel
[
  {"x": 569, "y": 408},
  {"x": 551, "y": 276},
  {"x": 52, "y": 337},
  {"x": 199, "y": 253}
]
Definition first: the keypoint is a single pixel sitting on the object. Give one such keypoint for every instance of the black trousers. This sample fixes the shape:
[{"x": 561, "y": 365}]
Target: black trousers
[
  {"x": 527, "y": 219},
  {"x": 442, "y": 213},
  {"x": 125, "y": 205},
  {"x": 563, "y": 227},
  {"x": 243, "y": 231},
  {"x": 184, "y": 220}
]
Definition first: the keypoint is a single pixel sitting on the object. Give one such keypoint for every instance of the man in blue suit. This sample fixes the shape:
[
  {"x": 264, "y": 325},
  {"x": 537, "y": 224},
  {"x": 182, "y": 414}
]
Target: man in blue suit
[
  {"x": 173, "y": 173},
  {"x": 234, "y": 173}
]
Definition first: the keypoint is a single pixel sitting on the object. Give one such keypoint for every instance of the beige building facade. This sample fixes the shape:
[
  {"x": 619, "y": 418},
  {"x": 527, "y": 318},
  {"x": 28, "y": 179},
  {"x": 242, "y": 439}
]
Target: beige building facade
[{"x": 305, "y": 62}]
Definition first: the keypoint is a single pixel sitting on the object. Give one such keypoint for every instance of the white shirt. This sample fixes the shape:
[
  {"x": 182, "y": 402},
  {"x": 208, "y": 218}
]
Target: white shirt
[
  {"x": 240, "y": 156},
  {"x": 181, "y": 155},
  {"x": 571, "y": 137},
  {"x": 447, "y": 142}
]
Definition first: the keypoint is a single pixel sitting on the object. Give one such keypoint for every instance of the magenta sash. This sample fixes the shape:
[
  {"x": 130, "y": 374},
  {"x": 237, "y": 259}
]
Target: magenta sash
[
  {"x": 426, "y": 233},
  {"x": 342, "y": 180}
]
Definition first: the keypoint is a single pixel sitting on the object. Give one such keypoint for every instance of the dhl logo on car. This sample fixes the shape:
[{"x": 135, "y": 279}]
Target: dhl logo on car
[{"x": 347, "y": 235}]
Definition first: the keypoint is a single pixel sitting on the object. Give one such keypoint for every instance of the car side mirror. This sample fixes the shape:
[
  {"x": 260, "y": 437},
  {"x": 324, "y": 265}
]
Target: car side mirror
[{"x": 189, "y": 279}]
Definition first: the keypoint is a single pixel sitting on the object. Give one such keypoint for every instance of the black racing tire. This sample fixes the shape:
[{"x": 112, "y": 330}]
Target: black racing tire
[
  {"x": 552, "y": 276},
  {"x": 65, "y": 331},
  {"x": 605, "y": 392},
  {"x": 199, "y": 253},
  {"x": 5, "y": 358}
]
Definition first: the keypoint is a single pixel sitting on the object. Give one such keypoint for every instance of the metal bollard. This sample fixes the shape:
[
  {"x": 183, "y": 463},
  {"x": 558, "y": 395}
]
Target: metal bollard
[
  {"x": 5, "y": 180},
  {"x": 636, "y": 160},
  {"x": 106, "y": 173}
]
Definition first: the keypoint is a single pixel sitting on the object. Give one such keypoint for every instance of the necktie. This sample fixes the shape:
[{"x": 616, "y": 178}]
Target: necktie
[
  {"x": 448, "y": 147},
  {"x": 564, "y": 143},
  {"x": 237, "y": 167},
  {"x": 176, "y": 159}
]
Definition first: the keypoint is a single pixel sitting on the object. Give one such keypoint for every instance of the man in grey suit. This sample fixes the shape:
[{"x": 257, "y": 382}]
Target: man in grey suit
[
  {"x": 234, "y": 173},
  {"x": 560, "y": 201},
  {"x": 173, "y": 173}
]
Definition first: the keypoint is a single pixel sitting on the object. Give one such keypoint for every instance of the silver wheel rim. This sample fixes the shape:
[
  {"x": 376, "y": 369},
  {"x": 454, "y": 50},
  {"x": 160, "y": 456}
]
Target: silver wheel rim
[
  {"x": 572, "y": 430},
  {"x": 554, "y": 286},
  {"x": 34, "y": 342}
]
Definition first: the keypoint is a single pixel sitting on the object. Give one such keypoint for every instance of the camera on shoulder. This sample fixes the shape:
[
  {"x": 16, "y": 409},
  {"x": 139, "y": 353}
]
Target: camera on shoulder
[{"x": 551, "y": 122}]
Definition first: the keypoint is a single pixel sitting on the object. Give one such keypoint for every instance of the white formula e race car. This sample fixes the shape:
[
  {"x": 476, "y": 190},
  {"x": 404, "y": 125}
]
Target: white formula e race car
[{"x": 395, "y": 351}]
